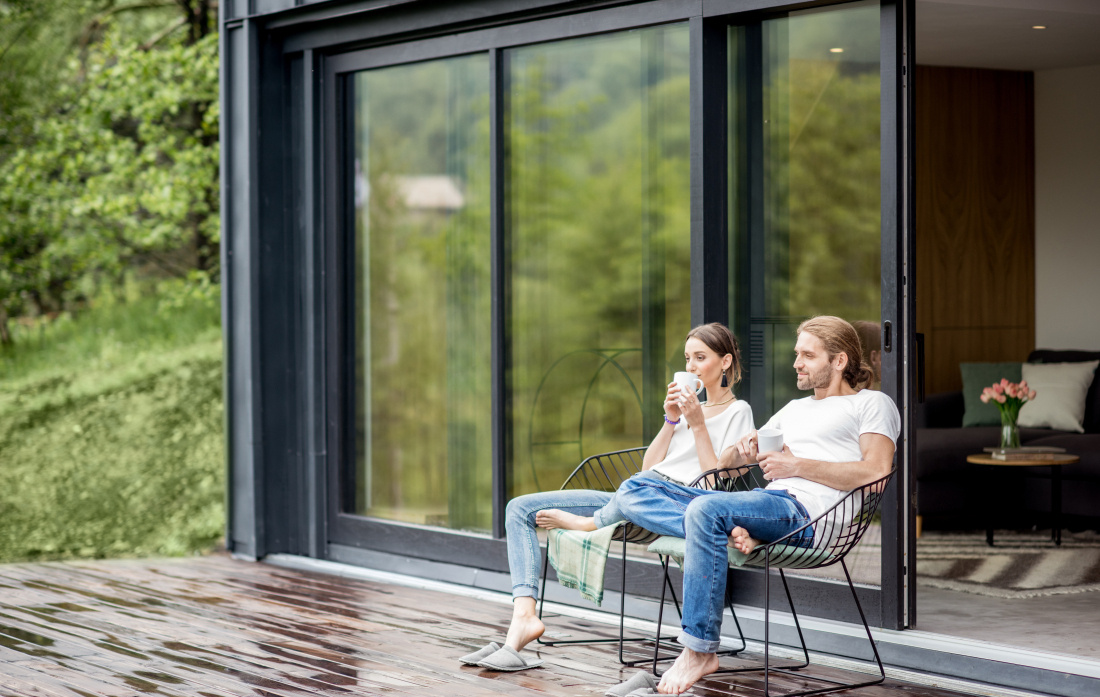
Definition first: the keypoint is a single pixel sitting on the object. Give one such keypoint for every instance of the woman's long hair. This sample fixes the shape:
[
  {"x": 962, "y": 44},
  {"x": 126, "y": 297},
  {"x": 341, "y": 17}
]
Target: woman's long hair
[{"x": 721, "y": 340}]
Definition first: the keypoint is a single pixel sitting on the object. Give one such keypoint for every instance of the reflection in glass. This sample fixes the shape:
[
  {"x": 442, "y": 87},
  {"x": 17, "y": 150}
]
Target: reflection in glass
[
  {"x": 422, "y": 293},
  {"x": 815, "y": 247},
  {"x": 598, "y": 229},
  {"x": 805, "y": 147}
]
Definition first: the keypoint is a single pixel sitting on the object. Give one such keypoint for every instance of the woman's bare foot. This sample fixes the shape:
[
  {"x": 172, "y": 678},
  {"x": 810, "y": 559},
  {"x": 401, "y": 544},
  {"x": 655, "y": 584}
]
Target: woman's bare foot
[
  {"x": 553, "y": 518},
  {"x": 689, "y": 667},
  {"x": 526, "y": 625},
  {"x": 740, "y": 540}
]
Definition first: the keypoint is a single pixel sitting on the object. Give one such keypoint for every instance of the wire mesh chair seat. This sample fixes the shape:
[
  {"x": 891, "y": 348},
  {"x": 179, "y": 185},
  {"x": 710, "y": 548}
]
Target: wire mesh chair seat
[
  {"x": 605, "y": 472},
  {"x": 835, "y": 533}
]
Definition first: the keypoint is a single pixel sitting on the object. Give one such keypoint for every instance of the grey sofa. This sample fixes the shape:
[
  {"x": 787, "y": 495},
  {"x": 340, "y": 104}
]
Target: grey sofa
[{"x": 952, "y": 494}]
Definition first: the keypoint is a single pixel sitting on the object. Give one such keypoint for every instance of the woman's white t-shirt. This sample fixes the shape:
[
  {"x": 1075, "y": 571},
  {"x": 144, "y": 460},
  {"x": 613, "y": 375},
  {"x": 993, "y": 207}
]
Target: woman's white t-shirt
[
  {"x": 829, "y": 430},
  {"x": 681, "y": 462}
]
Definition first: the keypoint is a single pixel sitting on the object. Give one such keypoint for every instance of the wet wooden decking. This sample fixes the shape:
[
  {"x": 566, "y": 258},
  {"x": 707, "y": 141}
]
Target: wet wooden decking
[{"x": 214, "y": 626}]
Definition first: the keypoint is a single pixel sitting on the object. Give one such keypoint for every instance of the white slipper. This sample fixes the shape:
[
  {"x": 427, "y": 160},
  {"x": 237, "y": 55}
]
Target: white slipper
[
  {"x": 507, "y": 659},
  {"x": 640, "y": 680},
  {"x": 472, "y": 659}
]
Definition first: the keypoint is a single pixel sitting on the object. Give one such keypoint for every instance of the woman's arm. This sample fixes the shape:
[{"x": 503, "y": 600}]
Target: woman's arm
[{"x": 658, "y": 449}]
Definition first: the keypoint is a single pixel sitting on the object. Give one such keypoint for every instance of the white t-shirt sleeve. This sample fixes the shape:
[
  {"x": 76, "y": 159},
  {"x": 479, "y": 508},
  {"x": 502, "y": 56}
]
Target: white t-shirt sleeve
[{"x": 878, "y": 414}]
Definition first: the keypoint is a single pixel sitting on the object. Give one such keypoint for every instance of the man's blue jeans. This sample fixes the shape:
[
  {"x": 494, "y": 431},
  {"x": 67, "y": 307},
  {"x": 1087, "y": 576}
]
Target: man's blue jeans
[{"x": 704, "y": 519}]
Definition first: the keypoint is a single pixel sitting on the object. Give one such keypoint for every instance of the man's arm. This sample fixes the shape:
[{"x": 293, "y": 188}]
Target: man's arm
[{"x": 878, "y": 458}]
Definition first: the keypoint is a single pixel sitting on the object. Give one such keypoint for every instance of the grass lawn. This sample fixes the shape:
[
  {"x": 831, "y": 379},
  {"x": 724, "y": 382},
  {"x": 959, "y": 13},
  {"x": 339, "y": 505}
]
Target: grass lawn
[{"x": 111, "y": 434}]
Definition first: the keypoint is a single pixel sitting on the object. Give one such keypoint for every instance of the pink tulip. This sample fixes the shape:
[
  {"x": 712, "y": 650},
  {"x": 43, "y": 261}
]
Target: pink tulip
[
  {"x": 1023, "y": 385},
  {"x": 1031, "y": 395},
  {"x": 998, "y": 389},
  {"x": 984, "y": 398},
  {"x": 1001, "y": 398},
  {"x": 1004, "y": 382},
  {"x": 1010, "y": 390}
]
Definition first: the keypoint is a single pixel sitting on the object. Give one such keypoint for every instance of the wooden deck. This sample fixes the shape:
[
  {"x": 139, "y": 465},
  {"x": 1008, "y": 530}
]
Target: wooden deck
[{"x": 214, "y": 626}]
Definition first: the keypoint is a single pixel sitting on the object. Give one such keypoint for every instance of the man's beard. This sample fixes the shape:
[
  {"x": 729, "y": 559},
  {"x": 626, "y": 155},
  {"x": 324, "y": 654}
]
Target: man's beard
[{"x": 814, "y": 380}]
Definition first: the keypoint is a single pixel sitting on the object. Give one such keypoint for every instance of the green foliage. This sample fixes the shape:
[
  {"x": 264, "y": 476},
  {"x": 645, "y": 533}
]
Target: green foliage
[
  {"x": 111, "y": 436},
  {"x": 114, "y": 167}
]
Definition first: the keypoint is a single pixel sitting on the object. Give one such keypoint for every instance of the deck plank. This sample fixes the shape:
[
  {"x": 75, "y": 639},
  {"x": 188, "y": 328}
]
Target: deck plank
[{"x": 214, "y": 626}]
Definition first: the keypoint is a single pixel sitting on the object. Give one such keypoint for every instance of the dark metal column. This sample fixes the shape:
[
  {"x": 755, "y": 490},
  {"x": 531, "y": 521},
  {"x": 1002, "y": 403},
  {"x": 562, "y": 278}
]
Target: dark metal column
[{"x": 709, "y": 167}]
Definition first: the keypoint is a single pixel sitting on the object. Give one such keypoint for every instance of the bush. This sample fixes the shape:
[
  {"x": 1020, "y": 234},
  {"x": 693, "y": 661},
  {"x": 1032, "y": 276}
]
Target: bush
[{"x": 113, "y": 457}]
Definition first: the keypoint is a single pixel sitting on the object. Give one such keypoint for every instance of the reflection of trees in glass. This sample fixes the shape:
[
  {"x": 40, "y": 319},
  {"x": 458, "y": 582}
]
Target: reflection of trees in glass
[
  {"x": 821, "y": 241},
  {"x": 598, "y": 200},
  {"x": 423, "y": 299},
  {"x": 835, "y": 214}
]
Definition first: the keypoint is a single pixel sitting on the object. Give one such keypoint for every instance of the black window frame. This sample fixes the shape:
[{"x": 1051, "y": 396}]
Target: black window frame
[{"x": 318, "y": 53}]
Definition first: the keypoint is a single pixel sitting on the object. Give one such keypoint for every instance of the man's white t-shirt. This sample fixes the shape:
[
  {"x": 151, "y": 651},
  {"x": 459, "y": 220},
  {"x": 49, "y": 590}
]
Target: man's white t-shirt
[
  {"x": 681, "y": 462},
  {"x": 829, "y": 430}
]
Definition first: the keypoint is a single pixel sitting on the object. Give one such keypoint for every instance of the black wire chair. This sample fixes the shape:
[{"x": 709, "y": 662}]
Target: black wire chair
[
  {"x": 835, "y": 533},
  {"x": 605, "y": 472}
]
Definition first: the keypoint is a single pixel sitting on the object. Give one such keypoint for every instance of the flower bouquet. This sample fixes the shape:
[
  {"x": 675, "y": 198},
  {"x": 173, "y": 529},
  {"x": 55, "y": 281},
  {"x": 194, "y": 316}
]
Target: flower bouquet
[{"x": 1009, "y": 397}]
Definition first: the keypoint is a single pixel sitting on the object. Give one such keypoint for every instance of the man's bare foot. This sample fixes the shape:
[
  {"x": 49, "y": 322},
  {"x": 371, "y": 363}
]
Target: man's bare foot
[
  {"x": 740, "y": 540},
  {"x": 553, "y": 518},
  {"x": 689, "y": 667},
  {"x": 526, "y": 625}
]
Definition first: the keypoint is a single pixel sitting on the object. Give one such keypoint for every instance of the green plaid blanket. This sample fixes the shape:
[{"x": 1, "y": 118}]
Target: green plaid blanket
[{"x": 580, "y": 558}]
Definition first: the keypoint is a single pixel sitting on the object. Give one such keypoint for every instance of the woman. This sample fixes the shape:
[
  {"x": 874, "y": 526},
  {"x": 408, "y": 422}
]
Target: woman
[{"x": 693, "y": 436}]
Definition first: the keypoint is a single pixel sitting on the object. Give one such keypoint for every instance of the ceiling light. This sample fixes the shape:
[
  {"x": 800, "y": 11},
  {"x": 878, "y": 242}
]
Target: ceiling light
[
  {"x": 836, "y": 50},
  {"x": 1039, "y": 26}
]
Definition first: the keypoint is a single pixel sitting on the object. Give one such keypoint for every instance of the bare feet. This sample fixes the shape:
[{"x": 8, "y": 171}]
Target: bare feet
[
  {"x": 526, "y": 625},
  {"x": 740, "y": 540},
  {"x": 686, "y": 671},
  {"x": 553, "y": 518}
]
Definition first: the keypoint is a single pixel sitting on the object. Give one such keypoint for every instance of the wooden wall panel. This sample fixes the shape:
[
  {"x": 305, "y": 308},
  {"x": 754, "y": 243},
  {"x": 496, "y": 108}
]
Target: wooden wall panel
[{"x": 975, "y": 218}]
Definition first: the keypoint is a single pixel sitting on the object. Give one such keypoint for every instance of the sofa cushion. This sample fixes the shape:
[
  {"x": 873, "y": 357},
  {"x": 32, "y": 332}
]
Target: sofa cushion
[
  {"x": 1092, "y": 398},
  {"x": 975, "y": 378},
  {"x": 1060, "y": 390}
]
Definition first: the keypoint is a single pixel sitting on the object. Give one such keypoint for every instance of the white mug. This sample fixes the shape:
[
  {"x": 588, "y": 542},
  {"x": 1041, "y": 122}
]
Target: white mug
[
  {"x": 769, "y": 440},
  {"x": 688, "y": 381}
]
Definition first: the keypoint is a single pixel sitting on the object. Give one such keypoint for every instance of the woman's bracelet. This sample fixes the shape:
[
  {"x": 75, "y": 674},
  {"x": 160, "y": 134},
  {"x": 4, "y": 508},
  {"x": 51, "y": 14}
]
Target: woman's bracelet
[{"x": 670, "y": 421}]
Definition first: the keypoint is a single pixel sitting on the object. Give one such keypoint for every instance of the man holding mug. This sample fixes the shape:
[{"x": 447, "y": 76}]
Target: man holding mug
[{"x": 836, "y": 440}]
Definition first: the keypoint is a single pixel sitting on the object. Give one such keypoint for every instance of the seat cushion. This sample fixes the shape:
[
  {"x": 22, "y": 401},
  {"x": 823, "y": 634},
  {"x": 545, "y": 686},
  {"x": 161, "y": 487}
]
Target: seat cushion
[{"x": 784, "y": 555}]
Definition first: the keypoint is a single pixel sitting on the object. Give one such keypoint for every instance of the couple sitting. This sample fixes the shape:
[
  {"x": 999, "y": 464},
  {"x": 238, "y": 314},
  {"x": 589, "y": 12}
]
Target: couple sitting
[{"x": 836, "y": 440}]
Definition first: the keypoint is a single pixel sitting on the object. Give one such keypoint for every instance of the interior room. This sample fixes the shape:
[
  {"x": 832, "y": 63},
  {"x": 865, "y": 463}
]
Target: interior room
[{"x": 1007, "y": 172}]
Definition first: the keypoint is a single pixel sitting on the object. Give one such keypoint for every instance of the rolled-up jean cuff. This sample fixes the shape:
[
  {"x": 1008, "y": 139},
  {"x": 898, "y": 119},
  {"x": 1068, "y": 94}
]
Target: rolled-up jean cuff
[
  {"x": 698, "y": 645},
  {"x": 522, "y": 591}
]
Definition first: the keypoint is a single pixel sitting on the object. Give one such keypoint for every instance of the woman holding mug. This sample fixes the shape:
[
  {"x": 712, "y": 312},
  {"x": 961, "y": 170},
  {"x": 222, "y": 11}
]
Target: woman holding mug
[{"x": 693, "y": 436}]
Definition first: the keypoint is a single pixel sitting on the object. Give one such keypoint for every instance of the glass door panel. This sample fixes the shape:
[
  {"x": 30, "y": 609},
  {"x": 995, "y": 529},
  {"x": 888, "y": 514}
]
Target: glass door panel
[
  {"x": 598, "y": 228},
  {"x": 422, "y": 294},
  {"x": 805, "y": 219}
]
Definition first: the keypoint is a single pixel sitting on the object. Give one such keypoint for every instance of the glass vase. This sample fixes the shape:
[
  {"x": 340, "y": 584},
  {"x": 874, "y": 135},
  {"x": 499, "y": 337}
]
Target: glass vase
[{"x": 1010, "y": 432}]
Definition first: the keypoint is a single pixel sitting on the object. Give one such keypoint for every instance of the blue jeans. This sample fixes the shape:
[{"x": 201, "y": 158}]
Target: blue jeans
[
  {"x": 524, "y": 555},
  {"x": 704, "y": 519}
]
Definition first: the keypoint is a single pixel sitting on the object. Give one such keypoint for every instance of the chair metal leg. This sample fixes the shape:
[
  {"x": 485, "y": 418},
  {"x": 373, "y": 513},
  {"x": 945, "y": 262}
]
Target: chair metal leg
[
  {"x": 621, "y": 639},
  {"x": 834, "y": 685}
]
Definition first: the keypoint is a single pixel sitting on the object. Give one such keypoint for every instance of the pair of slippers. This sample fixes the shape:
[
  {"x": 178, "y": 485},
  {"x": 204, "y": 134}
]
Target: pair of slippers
[
  {"x": 507, "y": 659},
  {"x": 641, "y": 684},
  {"x": 495, "y": 657}
]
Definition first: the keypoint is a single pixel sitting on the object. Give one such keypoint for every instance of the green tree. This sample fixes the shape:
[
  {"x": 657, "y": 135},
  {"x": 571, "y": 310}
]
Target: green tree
[{"x": 108, "y": 147}]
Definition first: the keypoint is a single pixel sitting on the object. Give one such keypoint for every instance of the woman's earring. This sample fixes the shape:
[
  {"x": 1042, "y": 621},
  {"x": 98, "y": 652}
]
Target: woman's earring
[{"x": 725, "y": 380}]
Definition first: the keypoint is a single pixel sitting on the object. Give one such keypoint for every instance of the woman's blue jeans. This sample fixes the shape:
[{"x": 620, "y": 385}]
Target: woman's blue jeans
[
  {"x": 524, "y": 555},
  {"x": 704, "y": 519}
]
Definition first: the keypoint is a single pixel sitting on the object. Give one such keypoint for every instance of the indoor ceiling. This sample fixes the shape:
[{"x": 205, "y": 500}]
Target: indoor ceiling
[{"x": 999, "y": 34}]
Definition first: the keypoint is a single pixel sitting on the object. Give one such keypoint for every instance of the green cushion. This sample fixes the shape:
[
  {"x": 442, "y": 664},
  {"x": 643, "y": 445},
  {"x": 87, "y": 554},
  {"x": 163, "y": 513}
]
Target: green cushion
[
  {"x": 975, "y": 378},
  {"x": 792, "y": 556}
]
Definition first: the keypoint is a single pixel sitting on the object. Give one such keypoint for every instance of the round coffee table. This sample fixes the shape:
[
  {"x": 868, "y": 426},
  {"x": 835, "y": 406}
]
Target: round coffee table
[{"x": 1055, "y": 463}]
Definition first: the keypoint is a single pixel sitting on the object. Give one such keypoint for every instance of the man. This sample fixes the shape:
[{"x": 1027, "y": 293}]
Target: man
[{"x": 834, "y": 441}]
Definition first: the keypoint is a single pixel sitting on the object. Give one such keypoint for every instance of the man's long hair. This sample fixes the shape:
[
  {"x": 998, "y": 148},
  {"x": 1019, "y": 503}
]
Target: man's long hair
[{"x": 841, "y": 337}]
